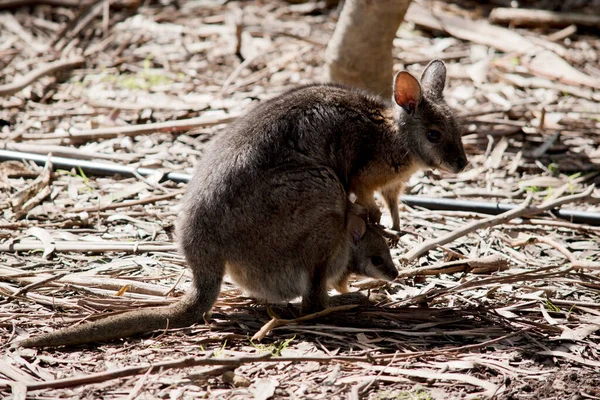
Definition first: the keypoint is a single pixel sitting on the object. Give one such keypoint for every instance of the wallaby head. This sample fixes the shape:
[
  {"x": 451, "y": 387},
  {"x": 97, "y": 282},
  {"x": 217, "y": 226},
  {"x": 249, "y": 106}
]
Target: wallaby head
[
  {"x": 426, "y": 121},
  {"x": 371, "y": 255}
]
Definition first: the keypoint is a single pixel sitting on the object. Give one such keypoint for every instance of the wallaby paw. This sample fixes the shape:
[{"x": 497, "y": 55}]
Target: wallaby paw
[{"x": 374, "y": 215}]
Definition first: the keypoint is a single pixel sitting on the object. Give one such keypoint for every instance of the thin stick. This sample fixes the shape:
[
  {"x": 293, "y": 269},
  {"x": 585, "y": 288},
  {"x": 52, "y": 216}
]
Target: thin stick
[
  {"x": 277, "y": 322},
  {"x": 59, "y": 3},
  {"x": 180, "y": 363},
  {"x": 524, "y": 210},
  {"x": 92, "y": 247},
  {"x": 129, "y": 203},
  {"x": 14, "y": 87},
  {"x": 132, "y": 130},
  {"x": 578, "y": 264}
]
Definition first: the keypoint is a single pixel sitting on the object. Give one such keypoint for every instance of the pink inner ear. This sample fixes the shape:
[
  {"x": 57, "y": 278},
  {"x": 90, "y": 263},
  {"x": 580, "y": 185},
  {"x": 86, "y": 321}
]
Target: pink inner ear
[
  {"x": 407, "y": 91},
  {"x": 356, "y": 227}
]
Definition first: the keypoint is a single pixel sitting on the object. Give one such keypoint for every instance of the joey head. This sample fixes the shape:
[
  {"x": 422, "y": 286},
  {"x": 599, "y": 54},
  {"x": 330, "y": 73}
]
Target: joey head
[
  {"x": 370, "y": 257},
  {"x": 268, "y": 203},
  {"x": 425, "y": 128}
]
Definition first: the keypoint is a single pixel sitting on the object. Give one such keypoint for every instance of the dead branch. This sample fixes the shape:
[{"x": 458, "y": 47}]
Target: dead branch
[
  {"x": 58, "y": 3},
  {"x": 540, "y": 273},
  {"x": 187, "y": 362},
  {"x": 576, "y": 263},
  {"x": 130, "y": 203},
  {"x": 91, "y": 247},
  {"x": 133, "y": 130},
  {"x": 69, "y": 152},
  {"x": 14, "y": 87},
  {"x": 524, "y": 210},
  {"x": 235, "y": 362},
  {"x": 277, "y": 322},
  {"x": 476, "y": 265},
  {"x": 26, "y": 199},
  {"x": 541, "y": 18}
]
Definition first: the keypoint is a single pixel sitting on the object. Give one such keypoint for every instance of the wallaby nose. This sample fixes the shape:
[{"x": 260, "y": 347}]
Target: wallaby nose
[
  {"x": 392, "y": 272},
  {"x": 461, "y": 163}
]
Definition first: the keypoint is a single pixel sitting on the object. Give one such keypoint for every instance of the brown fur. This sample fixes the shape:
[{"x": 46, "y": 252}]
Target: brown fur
[{"x": 268, "y": 202}]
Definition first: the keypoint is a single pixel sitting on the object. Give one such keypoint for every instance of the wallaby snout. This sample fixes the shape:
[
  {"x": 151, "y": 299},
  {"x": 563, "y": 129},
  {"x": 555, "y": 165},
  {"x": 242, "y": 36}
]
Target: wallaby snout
[
  {"x": 455, "y": 160},
  {"x": 461, "y": 164}
]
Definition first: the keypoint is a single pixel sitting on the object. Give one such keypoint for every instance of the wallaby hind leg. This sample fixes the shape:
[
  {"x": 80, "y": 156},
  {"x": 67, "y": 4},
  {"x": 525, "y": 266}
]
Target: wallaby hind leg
[
  {"x": 316, "y": 299},
  {"x": 390, "y": 195}
]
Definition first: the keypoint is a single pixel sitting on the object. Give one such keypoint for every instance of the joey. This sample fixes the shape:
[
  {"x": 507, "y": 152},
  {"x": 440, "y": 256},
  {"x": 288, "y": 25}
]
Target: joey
[
  {"x": 268, "y": 203},
  {"x": 370, "y": 257}
]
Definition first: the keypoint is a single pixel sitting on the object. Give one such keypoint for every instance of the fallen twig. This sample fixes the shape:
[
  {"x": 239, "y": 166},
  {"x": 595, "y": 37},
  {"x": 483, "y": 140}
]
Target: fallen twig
[
  {"x": 576, "y": 263},
  {"x": 541, "y": 18},
  {"x": 89, "y": 247},
  {"x": 59, "y": 3},
  {"x": 476, "y": 265},
  {"x": 524, "y": 210},
  {"x": 187, "y": 362},
  {"x": 130, "y": 203},
  {"x": 277, "y": 322},
  {"x": 132, "y": 130},
  {"x": 14, "y": 87},
  {"x": 541, "y": 273},
  {"x": 26, "y": 199}
]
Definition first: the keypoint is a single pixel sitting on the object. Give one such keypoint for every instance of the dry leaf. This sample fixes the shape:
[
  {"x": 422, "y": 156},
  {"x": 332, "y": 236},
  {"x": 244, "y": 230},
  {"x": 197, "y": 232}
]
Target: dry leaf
[{"x": 264, "y": 388}]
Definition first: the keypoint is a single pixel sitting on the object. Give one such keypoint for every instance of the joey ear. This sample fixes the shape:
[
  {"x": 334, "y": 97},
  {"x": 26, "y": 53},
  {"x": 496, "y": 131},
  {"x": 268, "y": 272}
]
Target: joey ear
[
  {"x": 357, "y": 210},
  {"x": 357, "y": 227},
  {"x": 407, "y": 91},
  {"x": 433, "y": 79}
]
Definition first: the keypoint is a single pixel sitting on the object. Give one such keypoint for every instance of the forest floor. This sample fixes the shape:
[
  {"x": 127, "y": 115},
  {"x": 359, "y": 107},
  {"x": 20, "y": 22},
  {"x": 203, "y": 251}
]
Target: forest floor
[{"x": 509, "y": 311}]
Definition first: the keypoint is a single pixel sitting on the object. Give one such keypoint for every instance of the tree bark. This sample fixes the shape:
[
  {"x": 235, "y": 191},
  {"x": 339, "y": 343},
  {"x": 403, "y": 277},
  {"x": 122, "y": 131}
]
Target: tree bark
[{"x": 360, "y": 51}]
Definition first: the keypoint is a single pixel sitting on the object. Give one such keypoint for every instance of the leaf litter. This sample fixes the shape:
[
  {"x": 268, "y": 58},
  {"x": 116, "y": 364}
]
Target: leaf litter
[{"x": 509, "y": 309}]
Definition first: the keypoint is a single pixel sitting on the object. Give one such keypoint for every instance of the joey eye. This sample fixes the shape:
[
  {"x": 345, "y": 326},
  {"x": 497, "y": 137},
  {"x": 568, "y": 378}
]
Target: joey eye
[
  {"x": 376, "y": 261},
  {"x": 434, "y": 136}
]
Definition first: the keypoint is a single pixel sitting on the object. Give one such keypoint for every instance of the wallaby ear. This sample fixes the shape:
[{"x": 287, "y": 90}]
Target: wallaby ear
[
  {"x": 357, "y": 227},
  {"x": 357, "y": 210},
  {"x": 407, "y": 91},
  {"x": 433, "y": 79}
]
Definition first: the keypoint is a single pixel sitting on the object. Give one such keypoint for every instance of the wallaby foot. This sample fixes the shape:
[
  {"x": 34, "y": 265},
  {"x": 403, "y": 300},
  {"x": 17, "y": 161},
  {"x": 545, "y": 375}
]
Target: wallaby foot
[{"x": 349, "y": 299}]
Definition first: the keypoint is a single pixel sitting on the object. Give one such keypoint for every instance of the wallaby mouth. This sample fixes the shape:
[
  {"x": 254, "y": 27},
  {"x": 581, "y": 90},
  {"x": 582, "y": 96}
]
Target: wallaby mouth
[{"x": 455, "y": 167}]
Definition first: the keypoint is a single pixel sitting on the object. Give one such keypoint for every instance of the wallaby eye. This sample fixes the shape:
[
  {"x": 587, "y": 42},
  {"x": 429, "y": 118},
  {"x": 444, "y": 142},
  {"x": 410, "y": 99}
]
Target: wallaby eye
[
  {"x": 434, "y": 136},
  {"x": 376, "y": 261}
]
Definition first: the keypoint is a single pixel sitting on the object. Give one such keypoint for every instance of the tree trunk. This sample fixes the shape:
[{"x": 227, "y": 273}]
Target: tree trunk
[{"x": 360, "y": 51}]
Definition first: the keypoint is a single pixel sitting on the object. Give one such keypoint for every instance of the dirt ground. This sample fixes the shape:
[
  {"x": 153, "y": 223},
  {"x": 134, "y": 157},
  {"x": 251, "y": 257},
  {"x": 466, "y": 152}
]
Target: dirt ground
[{"x": 509, "y": 311}]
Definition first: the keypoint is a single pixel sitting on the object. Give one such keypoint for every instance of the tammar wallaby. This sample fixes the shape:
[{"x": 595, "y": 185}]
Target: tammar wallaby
[{"x": 268, "y": 202}]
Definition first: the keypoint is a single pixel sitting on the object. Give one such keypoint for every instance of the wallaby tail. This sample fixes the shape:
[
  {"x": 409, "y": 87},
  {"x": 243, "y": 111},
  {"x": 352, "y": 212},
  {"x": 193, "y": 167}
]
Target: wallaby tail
[
  {"x": 184, "y": 313},
  {"x": 207, "y": 270},
  {"x": 200, "y": 298}
]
